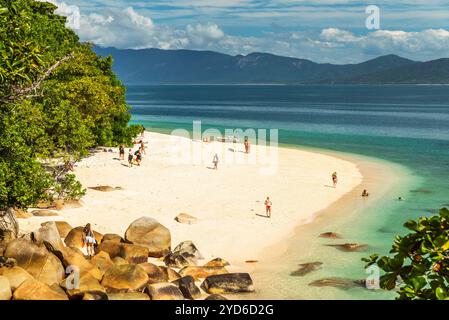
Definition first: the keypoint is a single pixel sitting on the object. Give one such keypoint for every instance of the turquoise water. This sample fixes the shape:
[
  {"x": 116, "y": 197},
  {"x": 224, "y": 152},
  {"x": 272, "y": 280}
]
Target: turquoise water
[{"x": 404, "y": 125}]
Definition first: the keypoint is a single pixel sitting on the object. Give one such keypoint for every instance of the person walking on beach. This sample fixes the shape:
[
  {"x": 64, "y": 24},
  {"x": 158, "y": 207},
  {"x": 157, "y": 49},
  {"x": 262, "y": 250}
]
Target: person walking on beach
[
  {"x": 142, "y": 148},
  {"x": 268, "y": 205},
  {"x": 130, "y": 158},
  {"x": 334, "y": 179},
  {"x": 247, "y": 145},
  {"x": 215, "y": 162},
  {"x": 89, "y": 239},
  {"x": 121, "y": 151},
  {"x": 138, "y": 157}
]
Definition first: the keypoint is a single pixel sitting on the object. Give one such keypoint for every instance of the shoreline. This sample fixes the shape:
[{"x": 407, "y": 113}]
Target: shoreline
[
  {"x": 380, "y": 177},
  {"x": 278, "y": 243}
]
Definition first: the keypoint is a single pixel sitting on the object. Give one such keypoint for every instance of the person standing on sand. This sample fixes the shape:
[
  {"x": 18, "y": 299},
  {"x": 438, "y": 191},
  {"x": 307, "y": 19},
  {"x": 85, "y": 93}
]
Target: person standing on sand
[
  {"x": 247, "y": 145},
  {"x": 215, "y": 162},
  {"x": 89, "y": 240},
  {"x": 130, "y": 158},
  {"x": 121, "y": 151},
  {"x": 138, "y": 157},
  {"x": 268, "y": 205},
  {"x": 142, "y": 148},
  {"x": 334, "y": 179}
]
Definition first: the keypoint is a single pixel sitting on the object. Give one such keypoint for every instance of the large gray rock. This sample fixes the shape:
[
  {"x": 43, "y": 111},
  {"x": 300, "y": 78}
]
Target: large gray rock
[
  {"x": 16, "y": 276},
  {"x": 75, "y": 238},
  {"x": 128, "y": 296},
  {"x": 63, "y": 227},
  {"x": 74, "y": 258},
  {"x": 84, "y": 284},
  {"x": 5, "y": 288},
  {"x": 164, "y": 291},
  {"x": 132, "y": 253},
  {"x": 155, "y": 273},
  {"x": 102, "y": 261},
  {"x": 125, "y": 278},
  {"x": 188, "y": 288},
  {"x": 185, "y": 218},
  {"x": 35, "y": 290},
  {"x": 185, "y": 254},
  {"x": 217, "y": 262},
  {"x": 49, "y": 233},
  {"x": 149, "y": 233},
  {"x": 36, "y": 260},
  {"x": 112, "y": 237},
  {"x": 228, "y": 283},
  {"x": 202, "y": 272},
  {"x": 43, "y": 213}
]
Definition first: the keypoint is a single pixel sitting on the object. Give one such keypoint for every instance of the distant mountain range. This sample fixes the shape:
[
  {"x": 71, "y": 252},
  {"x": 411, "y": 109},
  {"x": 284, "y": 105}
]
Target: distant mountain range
[{"x": 155, "y": 66}]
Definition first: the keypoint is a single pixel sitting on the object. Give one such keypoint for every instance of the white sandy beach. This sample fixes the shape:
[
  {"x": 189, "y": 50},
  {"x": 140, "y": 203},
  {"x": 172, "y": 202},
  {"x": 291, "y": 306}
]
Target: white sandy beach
[{"x": 228, "y": 202}]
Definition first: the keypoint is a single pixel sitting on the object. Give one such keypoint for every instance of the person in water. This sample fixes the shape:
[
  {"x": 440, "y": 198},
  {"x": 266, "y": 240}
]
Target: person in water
[
  {"x": 121, "y": 150},
  {"x": 334, "y": 179},
  {"x": 365, "y": 193},
  {"x": 268, "y": 205},
  {"x": 89, "y": 239},
  {"x": 130, "y": 158},
  {"x": 215, "y": 162}
]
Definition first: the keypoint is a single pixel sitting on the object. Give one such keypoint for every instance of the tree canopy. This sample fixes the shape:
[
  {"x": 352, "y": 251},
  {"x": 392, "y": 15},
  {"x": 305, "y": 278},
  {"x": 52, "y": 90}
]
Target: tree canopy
[
  {"x": 419, "y": 265},
  {"x": 58, "y": 99}
]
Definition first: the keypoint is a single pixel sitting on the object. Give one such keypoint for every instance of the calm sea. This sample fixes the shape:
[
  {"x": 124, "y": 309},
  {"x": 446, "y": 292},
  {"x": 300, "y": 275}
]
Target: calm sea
[{"x": 405, "y": 125}]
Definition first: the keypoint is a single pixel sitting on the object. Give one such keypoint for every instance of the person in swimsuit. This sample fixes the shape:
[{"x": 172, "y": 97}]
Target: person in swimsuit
[
  {"x": 138, "y": 157},
  {"x": 89, "y": 239},
  {"x": 121, "y": 150},
  {"x": 130, "y": 158},
  {"x": 365, "y": 193},
  {"x": 215, "y": 162},
  {"x": 268, "y": 205},
  {"x": 142, "y": 148},
  {"x": 334, "y": 179},
  {"x": 247, "y": 145}
]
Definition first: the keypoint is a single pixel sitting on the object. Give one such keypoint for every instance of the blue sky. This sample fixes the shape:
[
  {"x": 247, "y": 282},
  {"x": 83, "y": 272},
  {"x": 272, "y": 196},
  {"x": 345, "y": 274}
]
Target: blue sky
[{"x": 323, "y": 31}]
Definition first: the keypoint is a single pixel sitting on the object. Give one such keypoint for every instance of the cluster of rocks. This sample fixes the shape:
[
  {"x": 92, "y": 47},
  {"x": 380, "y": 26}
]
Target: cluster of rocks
[{"x": 50, "y": 265}]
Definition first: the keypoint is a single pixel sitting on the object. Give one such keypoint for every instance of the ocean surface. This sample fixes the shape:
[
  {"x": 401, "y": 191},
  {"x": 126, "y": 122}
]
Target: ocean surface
[{"x": 407, "y": 126}]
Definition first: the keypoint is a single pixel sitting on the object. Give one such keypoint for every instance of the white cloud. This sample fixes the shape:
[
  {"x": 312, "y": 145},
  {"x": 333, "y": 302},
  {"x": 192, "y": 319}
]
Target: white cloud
[
  {"x": 203, "y": 34},
  {"x": 129, "y": 28}
]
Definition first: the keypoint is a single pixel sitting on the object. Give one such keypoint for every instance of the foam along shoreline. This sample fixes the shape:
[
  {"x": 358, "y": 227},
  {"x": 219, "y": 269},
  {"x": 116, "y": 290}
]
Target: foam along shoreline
[{"x": 228, "y": 202}]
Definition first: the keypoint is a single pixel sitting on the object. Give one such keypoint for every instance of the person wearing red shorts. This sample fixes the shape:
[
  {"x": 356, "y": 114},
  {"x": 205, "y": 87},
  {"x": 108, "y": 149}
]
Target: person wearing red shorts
[{"x": 268, "y": 205}]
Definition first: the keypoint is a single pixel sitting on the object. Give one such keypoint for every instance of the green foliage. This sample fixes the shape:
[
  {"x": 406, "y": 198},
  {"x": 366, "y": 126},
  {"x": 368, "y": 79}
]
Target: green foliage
[
  {"x": 69, "y": 188},
  {"x": 419, "y": 267},
  {"x": 57, "y": 100}
]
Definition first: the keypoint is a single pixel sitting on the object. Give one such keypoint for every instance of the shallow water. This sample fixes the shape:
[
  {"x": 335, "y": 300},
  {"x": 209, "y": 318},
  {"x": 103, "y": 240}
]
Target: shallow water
[{"x": 403, "y": 125}]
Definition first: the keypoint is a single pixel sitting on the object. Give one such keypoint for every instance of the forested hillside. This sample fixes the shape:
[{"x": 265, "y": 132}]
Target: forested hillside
[{"x": 58, "y": 99}]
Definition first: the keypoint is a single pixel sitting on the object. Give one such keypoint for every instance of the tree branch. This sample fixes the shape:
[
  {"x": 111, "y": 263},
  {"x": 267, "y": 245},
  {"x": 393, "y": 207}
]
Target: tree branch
[{"x": 25, "y": 92}]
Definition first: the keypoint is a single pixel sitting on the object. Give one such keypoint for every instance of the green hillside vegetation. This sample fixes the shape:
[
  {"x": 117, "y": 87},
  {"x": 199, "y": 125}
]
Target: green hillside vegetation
[{"x": 58, "y": 99}]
